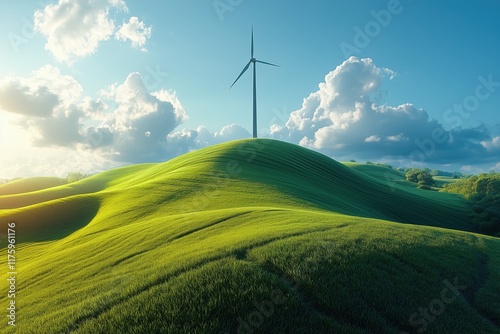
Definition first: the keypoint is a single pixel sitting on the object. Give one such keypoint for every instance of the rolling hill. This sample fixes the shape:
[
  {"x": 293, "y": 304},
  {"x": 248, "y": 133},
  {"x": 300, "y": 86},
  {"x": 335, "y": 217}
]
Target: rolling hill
[
  {"x": 30, "y": 184},
  {"x": 251, "y": 236}
]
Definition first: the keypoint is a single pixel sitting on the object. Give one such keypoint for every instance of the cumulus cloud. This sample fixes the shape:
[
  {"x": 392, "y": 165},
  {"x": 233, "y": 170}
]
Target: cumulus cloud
[
  {"x": 75, "y": 28},
  {"x": 135, "y": 31},
  {"x": 342, "y": 119},
  {"x": 60, "y": 129},
  {"x": 45, "y": 100},
  {"x": 40, "y": 94},
  {"x": 493, "y": 144},
  {"x": 126, "y": 124},
  {"x": 372, "y": 139},
  {"x": 26, "y": 100},
  {"x": 136, "y": 130}
]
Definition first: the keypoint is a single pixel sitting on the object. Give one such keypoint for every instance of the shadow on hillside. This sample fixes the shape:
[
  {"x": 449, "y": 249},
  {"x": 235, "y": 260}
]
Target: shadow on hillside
[
  {"x": 326, "y": 184},
  {"x": 86, "y": 186},
  {"x": 51, "y": 221}
]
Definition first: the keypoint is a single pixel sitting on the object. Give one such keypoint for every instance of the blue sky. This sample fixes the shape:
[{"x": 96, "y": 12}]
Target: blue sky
[{"x": 89, "y": 85}]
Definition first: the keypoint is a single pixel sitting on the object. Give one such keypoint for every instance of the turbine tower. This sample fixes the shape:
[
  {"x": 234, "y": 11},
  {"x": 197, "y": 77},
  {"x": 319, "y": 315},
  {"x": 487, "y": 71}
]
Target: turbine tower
[{"x": 254, "y": 62}]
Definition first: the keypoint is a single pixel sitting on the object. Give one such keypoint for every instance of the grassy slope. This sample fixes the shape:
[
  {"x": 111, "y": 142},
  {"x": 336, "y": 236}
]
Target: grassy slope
[
  {"x": 253, "y": 231},
  {"x": 30, "y": 184},
  {"x": 443, "y": 180}
]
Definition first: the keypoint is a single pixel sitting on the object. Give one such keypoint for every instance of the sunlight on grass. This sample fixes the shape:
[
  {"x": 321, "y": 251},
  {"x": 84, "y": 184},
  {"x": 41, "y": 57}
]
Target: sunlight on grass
[{"x": 252, "y": 235}]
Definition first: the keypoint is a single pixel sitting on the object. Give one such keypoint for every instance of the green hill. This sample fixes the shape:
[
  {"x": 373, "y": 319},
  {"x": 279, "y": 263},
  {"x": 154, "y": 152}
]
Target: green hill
[
  {"x": 252, "y": 236},
  {"x": 20, "y": 186}
]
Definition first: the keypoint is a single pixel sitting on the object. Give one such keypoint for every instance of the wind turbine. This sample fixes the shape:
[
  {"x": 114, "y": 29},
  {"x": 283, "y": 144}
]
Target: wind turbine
[{"x": 254, "y": 62}]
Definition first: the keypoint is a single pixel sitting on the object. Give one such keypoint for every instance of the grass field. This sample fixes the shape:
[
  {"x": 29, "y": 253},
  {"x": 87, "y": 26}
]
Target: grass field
[
  {"x": 251, "y": 236},
  {"x": 443, "y": 180}
]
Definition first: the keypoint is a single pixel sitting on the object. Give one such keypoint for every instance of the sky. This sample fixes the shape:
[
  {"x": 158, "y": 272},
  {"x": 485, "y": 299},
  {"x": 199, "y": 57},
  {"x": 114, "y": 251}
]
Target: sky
[{"x": 89, "y": 85}]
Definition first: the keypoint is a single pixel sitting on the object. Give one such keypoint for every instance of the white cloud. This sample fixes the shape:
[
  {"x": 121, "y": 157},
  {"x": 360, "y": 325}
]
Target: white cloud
[
  {"x": 400, "y": 137},
  {"x": 188, "y": 140},
  {"x": 136, "y": 128},
  {"x": 66, "y": 87},
  {"x": 39, "y": 94},
  {"x": 74, "y": 29},
  {"x": 372, "y": 139},
  {"x": 468, "y": 169},
  {"x": 342, "y": 119},
  {"x": 135, "y": 31},
  {"x": 61, "y": 129},
  {"x": 18, "y": 98},
  {"x": 130, "y": 124},
  {"x": 127, "y": 124},
  {"x": 493, "y": 144},
  {"x": 46, "y": 100}
]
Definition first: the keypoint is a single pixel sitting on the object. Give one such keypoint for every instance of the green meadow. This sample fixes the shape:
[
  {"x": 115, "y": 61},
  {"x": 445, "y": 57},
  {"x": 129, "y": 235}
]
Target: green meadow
[{"x": 250, "y": 236}]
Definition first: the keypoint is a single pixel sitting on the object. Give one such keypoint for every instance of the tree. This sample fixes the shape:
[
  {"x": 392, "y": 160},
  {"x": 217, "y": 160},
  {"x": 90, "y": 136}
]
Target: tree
[
  {"x": 75, "y": 176},
  {"x": 412, "y": 175},
  {"x": 425, "y": 178},
  {"x": 422, "y": 177},
  {"x": 483, "y": 191}
]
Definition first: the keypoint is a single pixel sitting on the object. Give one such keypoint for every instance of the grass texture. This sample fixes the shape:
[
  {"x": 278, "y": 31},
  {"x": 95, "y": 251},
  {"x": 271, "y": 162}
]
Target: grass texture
[{"x": 250, "y": 236}]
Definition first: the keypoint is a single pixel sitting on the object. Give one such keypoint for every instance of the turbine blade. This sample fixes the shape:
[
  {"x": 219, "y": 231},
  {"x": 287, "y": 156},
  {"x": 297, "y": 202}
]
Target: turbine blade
[
  {"x": 263, "y": 62},
  {"x": 252, "y": 44},
  {"x": 239, "y": 76}
]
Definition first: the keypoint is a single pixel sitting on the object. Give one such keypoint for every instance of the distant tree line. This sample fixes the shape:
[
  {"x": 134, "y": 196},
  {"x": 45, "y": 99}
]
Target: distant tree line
[
  {"x": 4, "y": 181},
  {"x": 455, "y": 175},
  {"x": 483, "y": 191},
  {"x": 379, "y": 164}
]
